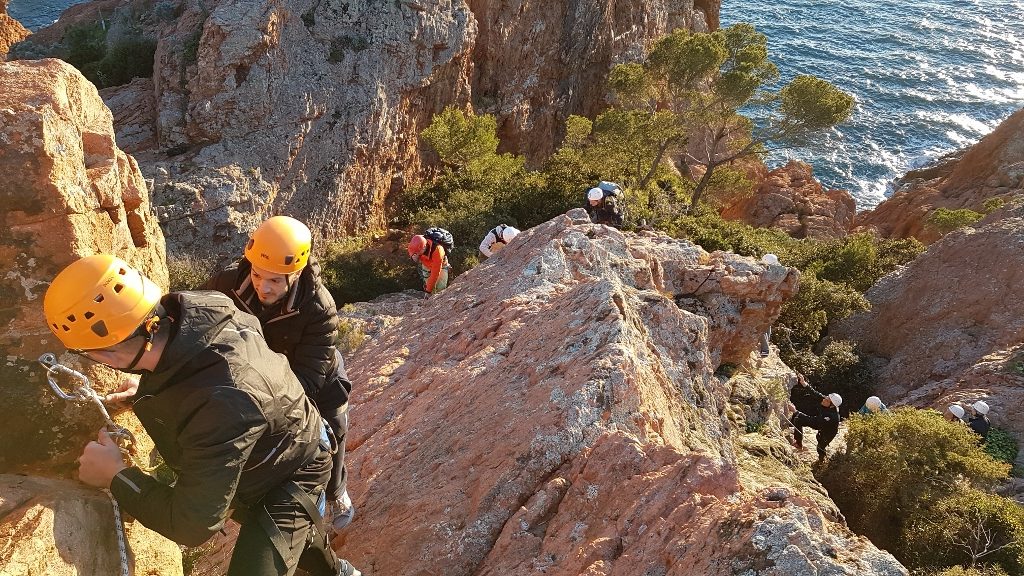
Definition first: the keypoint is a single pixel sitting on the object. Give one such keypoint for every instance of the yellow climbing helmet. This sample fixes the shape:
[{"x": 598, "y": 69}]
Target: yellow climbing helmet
[
  {"x": 280, "y": 245},
  {"x": 98, "y": 301}
]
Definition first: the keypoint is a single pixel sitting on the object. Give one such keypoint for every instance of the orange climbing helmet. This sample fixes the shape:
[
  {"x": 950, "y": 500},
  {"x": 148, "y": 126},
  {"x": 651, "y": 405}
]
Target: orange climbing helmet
[
  {"x": 280, "y": 245},
  {"x": 417, "y": 244},
  {"x": 98, "y": 301}
]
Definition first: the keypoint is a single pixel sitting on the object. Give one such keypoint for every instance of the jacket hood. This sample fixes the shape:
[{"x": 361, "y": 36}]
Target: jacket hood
[
  {"x": 199, "y": 317},
  {"x": 303, "y": 291}
]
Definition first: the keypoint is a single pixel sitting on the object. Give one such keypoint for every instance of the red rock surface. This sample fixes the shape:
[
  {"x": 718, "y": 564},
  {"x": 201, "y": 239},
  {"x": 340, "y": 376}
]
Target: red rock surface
[
  {"x": 556, "y": 410},
  {"x": 992, "y": 168},
  {"x": 948, "y": 326},
  {"x": 11, "y": 30},
  {"x": 789, "y": 198}
]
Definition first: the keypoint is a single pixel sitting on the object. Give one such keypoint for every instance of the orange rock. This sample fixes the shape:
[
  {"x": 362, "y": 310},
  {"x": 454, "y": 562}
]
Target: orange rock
[
  {"x": 11, "y": 31},
  {"x": 556, "y": 410},
  {"x": 68, "y": 192},
  {"x": 789, "y": 198},
  {"x": 992, "y": 168}
]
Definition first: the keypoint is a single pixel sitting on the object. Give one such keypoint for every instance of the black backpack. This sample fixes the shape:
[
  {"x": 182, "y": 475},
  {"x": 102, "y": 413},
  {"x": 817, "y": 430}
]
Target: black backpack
[
  {"x": 439, "y": 236},
  {"x": 498, "y": 232}
]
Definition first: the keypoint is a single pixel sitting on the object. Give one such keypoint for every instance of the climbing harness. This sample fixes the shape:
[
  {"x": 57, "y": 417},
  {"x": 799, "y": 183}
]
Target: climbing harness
[{"x": 123, "y": 437}]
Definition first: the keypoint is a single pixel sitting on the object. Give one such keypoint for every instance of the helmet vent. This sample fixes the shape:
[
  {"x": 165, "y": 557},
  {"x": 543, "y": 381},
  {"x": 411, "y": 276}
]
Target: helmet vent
[
  {"x": 88, "y": 315},
  {"x": 289, "y": 259},
  {"x": 98, "y": 298},
  {"x": 118, "y": 288},
  {"x": 71, "y": 317},
  {"x": 122, "y": 271},
  {"x": 100, "y": 329},
  {"x": 66, "y": 329}
]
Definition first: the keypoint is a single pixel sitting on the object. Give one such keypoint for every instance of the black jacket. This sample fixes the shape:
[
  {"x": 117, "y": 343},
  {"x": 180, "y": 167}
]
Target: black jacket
[
  {"x": 980, "y": 424},
  {"x": 608, "y": 211},
  {"x": 227, "y": 415},
  {"x": 805, "y": 398},
  {"x": 303, "y": 327}
]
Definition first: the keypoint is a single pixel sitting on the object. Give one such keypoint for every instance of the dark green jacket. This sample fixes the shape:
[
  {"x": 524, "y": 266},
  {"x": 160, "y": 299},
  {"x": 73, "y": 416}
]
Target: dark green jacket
[
  {"x": 304, "y": 327},
  {"x": 227, "y": 415}
]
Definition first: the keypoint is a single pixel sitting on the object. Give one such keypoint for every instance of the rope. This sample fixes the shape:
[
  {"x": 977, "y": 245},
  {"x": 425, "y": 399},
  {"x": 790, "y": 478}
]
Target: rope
[{"x": 122, "y": 545}]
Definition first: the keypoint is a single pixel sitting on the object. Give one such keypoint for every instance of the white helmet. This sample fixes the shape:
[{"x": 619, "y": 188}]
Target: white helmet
[
  {"x": 874, "y": 403},
  {"x": 956, "y": 410},
  {"x": 595, "y": 194},
  {"x": 508, "y": 233},
  {"x": 980, "y": 407},
  {"x": 770, "y": 259},
  {"x": 836, "y": 399}
]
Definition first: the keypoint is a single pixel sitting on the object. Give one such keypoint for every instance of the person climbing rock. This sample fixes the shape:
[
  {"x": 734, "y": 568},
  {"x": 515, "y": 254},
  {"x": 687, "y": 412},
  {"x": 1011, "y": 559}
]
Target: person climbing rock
[
  {"x": 430, "y": 251},
  {"x": 765, "y": 343},
  {"x": 814, "y": 410},
  {"x": 496, "y": 239},
  {"x": 979, "y": 419},
  {"x": 604, "y": 204},
  {"x": 873, "y": 405},
  {"x": 226, "y": 413},
  {"x": 278, "y": 281}
]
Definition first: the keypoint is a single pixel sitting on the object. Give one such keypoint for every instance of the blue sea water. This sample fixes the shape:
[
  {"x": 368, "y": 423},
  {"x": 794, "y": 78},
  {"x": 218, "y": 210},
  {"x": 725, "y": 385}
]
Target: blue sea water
[
  {"x": 34, "y": 14},
  {"x": 929, "y": 77}
]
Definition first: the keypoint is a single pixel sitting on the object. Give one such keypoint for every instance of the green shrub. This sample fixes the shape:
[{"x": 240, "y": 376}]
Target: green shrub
[
  {"x": 1001, "y": 445},
  {"x": 350, "y": 336},
  {"x": 944, "y": 220},
  {"x": 839, "y": 368},
  {"x": 84, "y": 44},
  {"x": 353, "y": 272},
  {"x": 965, "y": 528},
  {"x": 975, "y": 571},
  {"x": 132, "y": 58},
  {"x": 897, "y": 465},
  {"x": 187, "y": 272},
  {"x": 991, "y": 205}
]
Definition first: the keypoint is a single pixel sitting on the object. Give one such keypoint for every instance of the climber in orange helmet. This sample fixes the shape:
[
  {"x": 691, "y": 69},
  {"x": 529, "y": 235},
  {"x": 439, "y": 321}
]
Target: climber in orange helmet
[{"x": 430, "y": 251}]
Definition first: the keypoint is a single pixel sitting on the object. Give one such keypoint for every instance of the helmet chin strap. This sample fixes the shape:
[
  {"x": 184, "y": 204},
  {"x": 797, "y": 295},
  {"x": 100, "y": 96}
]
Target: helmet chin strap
[{"x": 149, "y": 328}]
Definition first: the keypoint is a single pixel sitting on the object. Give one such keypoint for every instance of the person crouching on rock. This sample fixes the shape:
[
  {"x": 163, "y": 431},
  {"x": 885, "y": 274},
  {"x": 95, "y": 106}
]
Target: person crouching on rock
[
  {"x": 979, "y": 419},
  {"x": 496, "y": 239},
  {"x": 604, "y": 204},
  {"x": 226, "y": 413},
  {"x": 278, "y": 281},
  {"x": 431, "y": 256}
]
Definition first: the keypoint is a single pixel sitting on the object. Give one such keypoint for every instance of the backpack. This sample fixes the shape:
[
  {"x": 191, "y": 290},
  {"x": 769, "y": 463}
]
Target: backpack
[
  {"x": 498, "y": 231},
  {"x": 439, "y": 236},
  {"x": 610, "y": 189}
]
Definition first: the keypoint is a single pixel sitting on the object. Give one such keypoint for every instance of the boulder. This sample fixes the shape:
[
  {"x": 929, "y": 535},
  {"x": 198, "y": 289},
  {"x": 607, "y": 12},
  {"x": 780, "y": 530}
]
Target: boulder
[
  {"x": 11, "y": 31},
  {"x": 946, "y": 326},
  {"x": 790, "y": 199},
  {"x": 61, "y": 528},
  {"x": 68, "y": 192},
  {"x": 992, "y": 168},
  {"x": 569, "y": 420}
]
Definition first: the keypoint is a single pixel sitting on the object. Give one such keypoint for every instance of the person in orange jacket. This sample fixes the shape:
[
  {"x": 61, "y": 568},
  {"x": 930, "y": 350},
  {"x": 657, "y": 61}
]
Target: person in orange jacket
[{"x": 433, "y": 263}]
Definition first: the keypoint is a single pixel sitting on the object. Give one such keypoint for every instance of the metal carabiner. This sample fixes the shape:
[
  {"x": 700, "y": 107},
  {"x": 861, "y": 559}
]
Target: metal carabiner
[{"x": 84, "y": 394}]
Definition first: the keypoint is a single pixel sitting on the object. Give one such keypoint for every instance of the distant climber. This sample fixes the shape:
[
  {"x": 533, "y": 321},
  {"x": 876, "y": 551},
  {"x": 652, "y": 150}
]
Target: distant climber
[
  {"x": 769, "y": 260},
  {"x": 605, "y": 204},
  {"x": 430, "y": 251},
  {"x": 226, "y": 413},
  {"x": 821, "y": 415},
  {"x": 873, "y": 405},
  {"x": 954, "y": 413},
  {"x": 496, "y": 239},
  {"x": 278, "y": 281},
  {"x": 979, "y": 420}
]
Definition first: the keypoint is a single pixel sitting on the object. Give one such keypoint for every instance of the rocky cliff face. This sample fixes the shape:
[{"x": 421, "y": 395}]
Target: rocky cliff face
[
  {"x": 11, "y": 31},
  {"x": 992, "y": 168},
  {"x": 567, "y": 419},
  {"x": 947, "y": 326},
  {"x": 789, "y": 198},
  {"x": 68, "y": 192},
  {"x": 313, "y": 108}
]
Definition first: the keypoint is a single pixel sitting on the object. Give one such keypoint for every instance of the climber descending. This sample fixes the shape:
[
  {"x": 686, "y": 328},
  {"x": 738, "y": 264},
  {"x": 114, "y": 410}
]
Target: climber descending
[
  {"x": 278, "y": 281},
  {"x": 226, "y": 413},
  {"x": 814, "y": 410},
  {"x": 430, "y": 251},
  {"x": 496, "y": 239},
  {"x": 604, "y": 204}
]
